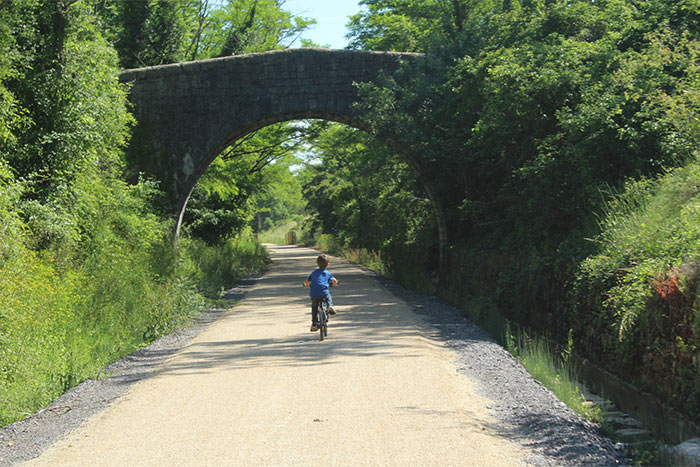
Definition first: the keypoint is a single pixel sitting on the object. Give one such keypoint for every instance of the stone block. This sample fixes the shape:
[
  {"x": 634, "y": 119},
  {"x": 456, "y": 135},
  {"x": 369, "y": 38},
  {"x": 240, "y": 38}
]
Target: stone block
[
  {"x": 624, "y": 421},
  {"x": 688, "y": 453}
]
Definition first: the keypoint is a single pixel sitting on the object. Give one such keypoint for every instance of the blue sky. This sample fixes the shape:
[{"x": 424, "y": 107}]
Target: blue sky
[{"x": 331, "y": 17}]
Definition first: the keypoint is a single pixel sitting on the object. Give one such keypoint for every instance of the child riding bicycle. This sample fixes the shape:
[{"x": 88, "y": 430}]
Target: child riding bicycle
[{"x": 319, "y": 283}]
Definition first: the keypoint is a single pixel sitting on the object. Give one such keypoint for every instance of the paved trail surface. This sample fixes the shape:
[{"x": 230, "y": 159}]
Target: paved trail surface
[{"x": 257, "y": 388}]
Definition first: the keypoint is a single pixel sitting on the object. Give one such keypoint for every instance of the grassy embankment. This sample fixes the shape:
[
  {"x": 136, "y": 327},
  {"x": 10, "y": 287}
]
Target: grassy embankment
[
  {"x": 637, "y": 309},
  {"x": 87, "y": 300}
]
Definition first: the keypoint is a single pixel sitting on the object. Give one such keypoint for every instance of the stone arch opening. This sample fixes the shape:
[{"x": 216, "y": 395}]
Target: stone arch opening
[{"x": 199, "y": 170}]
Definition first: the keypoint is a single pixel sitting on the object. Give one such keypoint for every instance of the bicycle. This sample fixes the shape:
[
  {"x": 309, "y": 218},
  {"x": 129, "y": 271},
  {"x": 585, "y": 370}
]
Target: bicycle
[
  {"x": 319, "y": 312},
  {"x": 320, "y": 304}
]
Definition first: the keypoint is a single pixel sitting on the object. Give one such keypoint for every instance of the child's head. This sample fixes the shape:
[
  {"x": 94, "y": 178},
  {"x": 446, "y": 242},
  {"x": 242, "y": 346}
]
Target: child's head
[{"x": 323, "y": 261}]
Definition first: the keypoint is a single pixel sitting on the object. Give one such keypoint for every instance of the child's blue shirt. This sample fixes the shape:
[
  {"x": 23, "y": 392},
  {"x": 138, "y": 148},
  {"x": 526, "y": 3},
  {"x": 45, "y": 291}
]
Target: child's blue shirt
[{"x": 319, "y": 282}]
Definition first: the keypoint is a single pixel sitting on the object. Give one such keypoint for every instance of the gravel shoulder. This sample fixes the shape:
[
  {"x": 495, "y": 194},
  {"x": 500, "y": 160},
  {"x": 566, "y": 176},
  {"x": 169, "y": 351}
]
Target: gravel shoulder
[
  {"x": 519, "y": 409},
  {"x": 526, "y": 411}
]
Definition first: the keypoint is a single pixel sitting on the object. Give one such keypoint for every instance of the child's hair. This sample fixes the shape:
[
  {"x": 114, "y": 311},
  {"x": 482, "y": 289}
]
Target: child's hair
[{"x": 322, "y": 261}]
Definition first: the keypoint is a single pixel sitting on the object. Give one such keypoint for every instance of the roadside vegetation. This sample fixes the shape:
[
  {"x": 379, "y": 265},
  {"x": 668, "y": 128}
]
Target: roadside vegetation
[
  {"x": 88, "y": 270},
  {"x": 553, "y": 366}
]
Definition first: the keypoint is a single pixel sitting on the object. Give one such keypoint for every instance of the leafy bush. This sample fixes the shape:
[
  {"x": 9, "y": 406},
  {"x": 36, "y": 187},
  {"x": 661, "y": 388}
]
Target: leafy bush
[
  {"x": 212, "y": 268},
  {"x": 67, "y": 314}
]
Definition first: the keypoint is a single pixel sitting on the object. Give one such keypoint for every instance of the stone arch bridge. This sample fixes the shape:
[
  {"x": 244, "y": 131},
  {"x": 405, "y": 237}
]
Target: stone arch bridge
[{"x": 188, "y": 113}]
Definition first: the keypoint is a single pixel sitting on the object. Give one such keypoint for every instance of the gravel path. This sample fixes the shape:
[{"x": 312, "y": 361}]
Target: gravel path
[{"x": 521, "y": 409}]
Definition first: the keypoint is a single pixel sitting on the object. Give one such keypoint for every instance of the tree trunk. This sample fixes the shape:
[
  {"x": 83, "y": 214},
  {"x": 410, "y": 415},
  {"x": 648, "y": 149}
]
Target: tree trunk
[
  {"x": 59, "y": 22},
  {"x": 458, "y": 11},
  {"x": 438, "y": 212}
]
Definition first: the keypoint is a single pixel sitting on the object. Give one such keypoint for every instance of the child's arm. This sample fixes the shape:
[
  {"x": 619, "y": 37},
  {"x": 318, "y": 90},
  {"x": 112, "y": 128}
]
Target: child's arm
[
  {"x": 306, "y": 283},
  {"x": 335, "y": 282}
]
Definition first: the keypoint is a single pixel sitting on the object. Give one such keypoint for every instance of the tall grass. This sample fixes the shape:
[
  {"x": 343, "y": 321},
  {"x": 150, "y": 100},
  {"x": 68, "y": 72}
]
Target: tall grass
[
  {"x": 550, "y": 364},
  {"x": 79, "y": 289},
  {"x": 329, "y": 243},
  {"x": 59, "y": 325},
  {"x": 212, "y": 268},
  {"x": 277, "y": 234},
  {"x": 553, "y": 369}
]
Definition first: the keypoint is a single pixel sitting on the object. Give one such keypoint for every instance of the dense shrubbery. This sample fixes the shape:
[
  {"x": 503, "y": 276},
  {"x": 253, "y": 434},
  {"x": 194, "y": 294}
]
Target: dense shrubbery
[
  {"x": 212, "y": 268},
  {"x": 637, "y": 307},
  {"x": 371, "y": 202},
  {"x": 66, "y": 314},
  {"x": 88, "y": 272},
  {"x": 73, "y": 307}
]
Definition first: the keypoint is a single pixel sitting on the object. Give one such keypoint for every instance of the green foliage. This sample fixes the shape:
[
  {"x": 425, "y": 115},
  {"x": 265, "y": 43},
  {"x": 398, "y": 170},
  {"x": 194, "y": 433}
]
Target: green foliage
[
  {"x": 67, "y": 312},
  {"x": 637, "y": 297},
  {"x": 404, "y": 26},
  {"x": 88, "y": 272},
  {"x": 329, "y": 244},
  {"x": 280, "y": 198},
  {"x": 246, "y": 26},
  {"x": 156, "y": 32},
  {"x": 73, "y": 308},
  {"x": 77, "y": 119},
  {"x": 250, "y": 179},
  {"x": 277, "y": 232},
  {"x": 370, "y": 205}
]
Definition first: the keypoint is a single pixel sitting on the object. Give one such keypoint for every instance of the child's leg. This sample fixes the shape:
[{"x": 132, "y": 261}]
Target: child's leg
[{"x": 329, "y": 299}]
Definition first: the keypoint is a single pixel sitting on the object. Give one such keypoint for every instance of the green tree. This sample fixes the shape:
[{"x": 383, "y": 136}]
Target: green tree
[
  {"x": 409, "y": 26},
  {"x": 246, "y": 26},
  {"x": 242, "y": 181},
  {"x": 368, "y": 197}
]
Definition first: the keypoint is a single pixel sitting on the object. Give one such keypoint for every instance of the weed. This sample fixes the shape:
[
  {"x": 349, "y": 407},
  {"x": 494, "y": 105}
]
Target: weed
[{"x": 553, "y": 369}]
